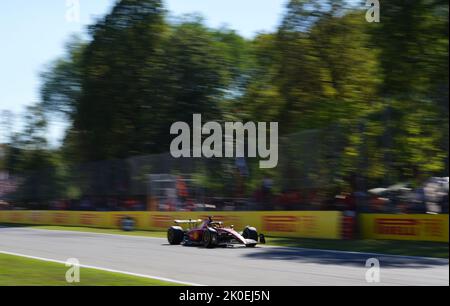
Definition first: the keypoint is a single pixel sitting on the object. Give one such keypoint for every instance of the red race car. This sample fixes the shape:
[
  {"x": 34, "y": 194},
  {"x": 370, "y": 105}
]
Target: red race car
[{"x": 210, "y": 233}]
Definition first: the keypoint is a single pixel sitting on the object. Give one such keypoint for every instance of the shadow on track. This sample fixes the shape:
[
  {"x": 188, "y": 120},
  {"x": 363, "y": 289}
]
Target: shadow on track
[{"x": 343, "y": 258}]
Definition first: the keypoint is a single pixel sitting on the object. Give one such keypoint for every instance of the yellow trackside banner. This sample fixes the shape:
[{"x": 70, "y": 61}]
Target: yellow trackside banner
[
  {"x": 316, "y": 224},
  {"x": 63, "y": 218},
  {"x": 404, "y": 227}
]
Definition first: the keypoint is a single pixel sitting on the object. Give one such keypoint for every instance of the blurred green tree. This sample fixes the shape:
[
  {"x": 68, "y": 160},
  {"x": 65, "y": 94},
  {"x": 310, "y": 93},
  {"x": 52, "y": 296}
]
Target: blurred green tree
[{"x": 362, "y": 100}]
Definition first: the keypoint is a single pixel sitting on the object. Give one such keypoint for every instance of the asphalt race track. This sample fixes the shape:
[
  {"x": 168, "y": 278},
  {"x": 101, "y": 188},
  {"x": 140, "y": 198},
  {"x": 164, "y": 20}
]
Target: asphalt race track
[{"x": 225, "y": 266}]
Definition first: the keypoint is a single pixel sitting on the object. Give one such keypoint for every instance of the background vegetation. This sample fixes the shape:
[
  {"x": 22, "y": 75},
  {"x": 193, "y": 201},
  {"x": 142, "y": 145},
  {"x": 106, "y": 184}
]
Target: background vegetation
[{"x": 358, "y": 104}]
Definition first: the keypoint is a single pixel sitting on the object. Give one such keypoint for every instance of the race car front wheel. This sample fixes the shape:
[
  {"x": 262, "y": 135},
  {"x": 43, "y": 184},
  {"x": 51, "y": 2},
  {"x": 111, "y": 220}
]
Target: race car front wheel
[
  {"x": 175, "y": 235},
  {"x": 209, "y": 239},
  {"x": 250, "y": 233}
]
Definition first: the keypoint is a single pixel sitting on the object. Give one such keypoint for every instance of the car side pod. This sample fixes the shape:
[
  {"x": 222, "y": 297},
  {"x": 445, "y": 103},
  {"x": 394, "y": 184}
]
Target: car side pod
[{"x": 262, "y": 239}]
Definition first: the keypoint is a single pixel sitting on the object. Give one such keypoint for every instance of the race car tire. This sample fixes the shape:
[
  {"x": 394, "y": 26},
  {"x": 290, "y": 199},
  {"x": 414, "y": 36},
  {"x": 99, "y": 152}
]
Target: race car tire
[
  {"x": 175, "y": 235},
  {"x": 250, "y": 233},
  {"x": 209, "y": 238}
]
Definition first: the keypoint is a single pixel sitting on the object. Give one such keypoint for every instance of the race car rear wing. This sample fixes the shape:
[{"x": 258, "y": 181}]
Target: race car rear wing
[{"x": 190, "y": 221}]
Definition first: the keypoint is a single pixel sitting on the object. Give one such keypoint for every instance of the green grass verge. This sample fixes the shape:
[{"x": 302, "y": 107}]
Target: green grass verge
[
  {"x": 21, "y": 271},
  {"x": 393, "y": 247}
]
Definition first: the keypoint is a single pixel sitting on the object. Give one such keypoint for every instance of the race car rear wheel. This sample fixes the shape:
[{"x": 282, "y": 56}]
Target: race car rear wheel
[
  {"x": 209, "y": 238},
  {"x": 250, "y": 233},
  {"x": 175, "y": 235}
]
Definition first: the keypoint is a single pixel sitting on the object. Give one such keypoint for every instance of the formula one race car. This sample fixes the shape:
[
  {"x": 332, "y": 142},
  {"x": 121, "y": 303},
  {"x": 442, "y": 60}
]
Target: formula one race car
[{"x": 209, "y": 233}]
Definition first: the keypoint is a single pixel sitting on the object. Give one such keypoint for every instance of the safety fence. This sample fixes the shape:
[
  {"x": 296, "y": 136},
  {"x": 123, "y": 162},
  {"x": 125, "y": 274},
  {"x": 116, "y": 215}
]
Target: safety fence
[{"x": 301, "y": 224}]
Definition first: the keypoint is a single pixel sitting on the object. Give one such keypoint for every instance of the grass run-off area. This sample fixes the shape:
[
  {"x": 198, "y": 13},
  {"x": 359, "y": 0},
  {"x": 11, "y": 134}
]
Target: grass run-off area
[
  {"x": 21, "y": 271},
  {"x": 393, "y": 247}
]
